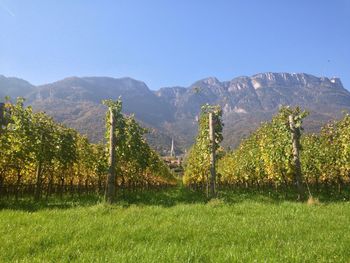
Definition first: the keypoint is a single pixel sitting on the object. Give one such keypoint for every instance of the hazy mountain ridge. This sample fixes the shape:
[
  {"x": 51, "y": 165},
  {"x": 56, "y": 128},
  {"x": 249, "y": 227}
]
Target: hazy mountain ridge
[
  {"x": 173, "y": 111},
  {"x": 14, "y": 87}
]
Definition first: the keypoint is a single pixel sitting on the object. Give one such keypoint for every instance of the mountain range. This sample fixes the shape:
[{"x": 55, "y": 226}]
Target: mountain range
[{"x": 172, "y": 112}]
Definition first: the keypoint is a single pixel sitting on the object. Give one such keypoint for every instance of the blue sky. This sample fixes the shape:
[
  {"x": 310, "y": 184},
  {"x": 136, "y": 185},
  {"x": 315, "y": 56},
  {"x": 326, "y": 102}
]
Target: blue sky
[{"x": 166, "y": 43}]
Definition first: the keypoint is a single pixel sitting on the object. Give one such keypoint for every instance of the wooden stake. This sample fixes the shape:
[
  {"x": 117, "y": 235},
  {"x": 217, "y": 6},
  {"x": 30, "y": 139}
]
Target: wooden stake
[
  {"x": 37, "y": 194},
  {"x": 295, "y": 134},
  {"x": 38, "y": 186},
  {"x": 110, "y": 187},
  {"x": 212, "y": 155}
]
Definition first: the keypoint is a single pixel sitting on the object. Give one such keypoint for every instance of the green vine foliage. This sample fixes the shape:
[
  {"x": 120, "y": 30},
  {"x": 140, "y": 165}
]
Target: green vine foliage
[
  {"x": 29, "y": 140},
  {"x": 265, "y": 157},
  {"x": 326, "y": 156},
  {"x": 137, "y": 163},
  {"x": 197, "y": 168},
  {"x": 37, "y": 150}
]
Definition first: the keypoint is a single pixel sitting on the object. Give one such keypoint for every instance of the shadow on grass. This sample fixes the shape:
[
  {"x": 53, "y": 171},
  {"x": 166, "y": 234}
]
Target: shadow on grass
[
  {"x": 270, "y": 195},
  {"x": 54, "y": 202},
  {"x": 171, "y": 197}
]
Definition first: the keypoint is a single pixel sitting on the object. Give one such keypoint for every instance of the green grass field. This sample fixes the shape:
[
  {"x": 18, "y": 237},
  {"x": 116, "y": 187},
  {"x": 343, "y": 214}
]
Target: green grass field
[{"x": 175, "y": 226}]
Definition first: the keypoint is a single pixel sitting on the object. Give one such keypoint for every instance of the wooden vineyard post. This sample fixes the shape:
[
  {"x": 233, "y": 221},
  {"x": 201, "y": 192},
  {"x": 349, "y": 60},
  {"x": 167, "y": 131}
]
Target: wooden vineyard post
[
  {"x": 212, "y": 154},
  {"x": 295, "y": 134},
  {"x": 110, "y": 187},
  {"x": 38, "y": 185},
  {"x": 37, "y": 194}
]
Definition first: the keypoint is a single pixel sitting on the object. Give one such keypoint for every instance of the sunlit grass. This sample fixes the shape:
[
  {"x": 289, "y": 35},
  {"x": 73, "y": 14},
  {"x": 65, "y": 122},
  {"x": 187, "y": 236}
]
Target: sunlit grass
[{"x": 175, "y": 226}]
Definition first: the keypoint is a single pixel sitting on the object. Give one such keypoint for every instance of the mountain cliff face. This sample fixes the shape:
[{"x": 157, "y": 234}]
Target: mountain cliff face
[
  {"x": 261, "y": 92},
  {"x": 173, "y": 111},
  {"x": 247, "y": 101}
]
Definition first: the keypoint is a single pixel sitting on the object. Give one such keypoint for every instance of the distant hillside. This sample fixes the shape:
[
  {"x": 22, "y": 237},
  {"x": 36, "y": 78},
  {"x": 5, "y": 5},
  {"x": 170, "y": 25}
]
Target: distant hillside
[
  {"x": 173, "y": 111},
  {"x": 14, "y": 87}
]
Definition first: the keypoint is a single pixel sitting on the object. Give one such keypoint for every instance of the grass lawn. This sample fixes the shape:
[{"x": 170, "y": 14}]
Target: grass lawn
[{"x": 175, "y": 226}]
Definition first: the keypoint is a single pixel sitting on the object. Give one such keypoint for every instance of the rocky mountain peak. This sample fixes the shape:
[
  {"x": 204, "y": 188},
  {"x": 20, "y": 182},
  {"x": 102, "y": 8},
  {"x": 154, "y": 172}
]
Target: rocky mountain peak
[
  {"x": 336, "y": 82},
  {"x": 211, "y": 81}
]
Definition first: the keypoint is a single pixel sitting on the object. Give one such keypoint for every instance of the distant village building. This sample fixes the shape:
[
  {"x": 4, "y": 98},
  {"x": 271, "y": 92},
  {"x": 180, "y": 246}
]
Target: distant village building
[
  {"x": 172, "y": 149},
  {"x": 174, "y": 162}
]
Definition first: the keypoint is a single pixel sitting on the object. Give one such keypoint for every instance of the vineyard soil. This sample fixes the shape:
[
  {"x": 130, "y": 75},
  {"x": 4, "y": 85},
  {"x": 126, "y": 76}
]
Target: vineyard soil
[{"x": 175, "y": 225}]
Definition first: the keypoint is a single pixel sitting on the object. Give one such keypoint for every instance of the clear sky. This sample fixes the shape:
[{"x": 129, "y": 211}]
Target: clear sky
[{"x": 166, "y": 43}]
